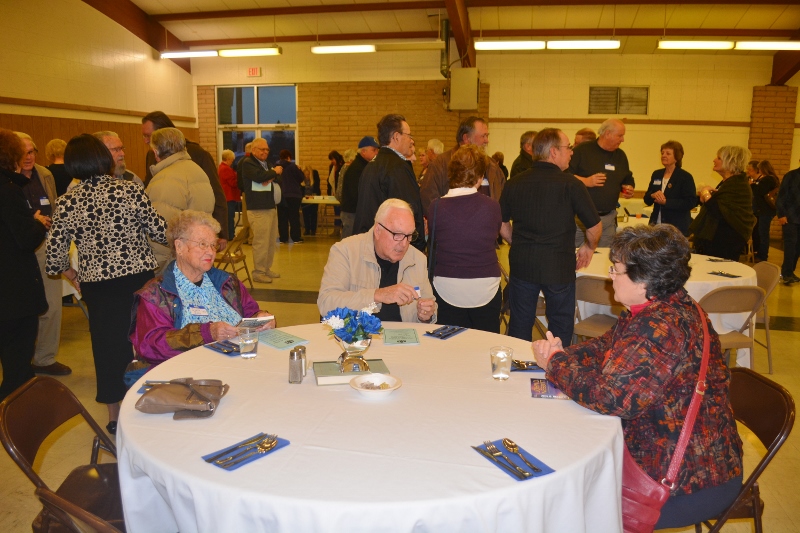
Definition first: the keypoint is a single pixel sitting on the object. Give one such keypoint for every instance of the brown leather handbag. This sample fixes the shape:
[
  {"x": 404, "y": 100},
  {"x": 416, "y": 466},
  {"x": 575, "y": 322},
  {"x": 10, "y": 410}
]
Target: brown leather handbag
[
  {"x": 642, "y": 496},
  {"x": 186, "y": 397}
]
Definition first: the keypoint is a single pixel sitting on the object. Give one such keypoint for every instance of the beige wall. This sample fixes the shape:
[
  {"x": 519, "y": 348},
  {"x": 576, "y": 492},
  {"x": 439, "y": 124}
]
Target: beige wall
[{"x": 66, "y": 51}]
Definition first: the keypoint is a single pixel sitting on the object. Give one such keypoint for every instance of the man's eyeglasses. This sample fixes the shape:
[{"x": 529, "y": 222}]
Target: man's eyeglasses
[
  {"x": 31, "y": 152},
  {"x": 400, "y": 236},
  {"x": 203, "y": 245},
  {"x": 404, "y": 133},
  {"x": 613, "y": 272},
  {"x": 569, "y": 146},
  {"x": 117, "y": 149}
]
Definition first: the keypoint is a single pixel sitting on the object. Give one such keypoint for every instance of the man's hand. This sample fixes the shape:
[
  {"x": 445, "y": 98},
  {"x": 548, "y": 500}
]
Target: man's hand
[
  {"x": 595, "y": 180},
  {"x": 627, "y": 191},
  {"x": 583, "y": 256},
  {"x": 43, "y": 219},
  {"x": 783, "y": 221},
  {"x": 425, "y": 309},
  {"x": 401, "y": 294},
  {"x": 222, "y": 244},
  {"x": 223, "y": 330},
  {"x": 659, "y": 198},
  {"x": 278, "y": 170}
]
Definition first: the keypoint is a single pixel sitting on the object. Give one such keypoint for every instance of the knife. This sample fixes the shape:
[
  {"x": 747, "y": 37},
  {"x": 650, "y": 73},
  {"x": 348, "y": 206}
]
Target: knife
[
  {"x": 234, "y": 448},
  {"x": 507, "y": 468},
  {"x": 456, "y": 329}
]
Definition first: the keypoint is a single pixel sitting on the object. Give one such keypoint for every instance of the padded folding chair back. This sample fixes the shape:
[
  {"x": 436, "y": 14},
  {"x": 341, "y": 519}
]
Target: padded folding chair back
[
  {"x": 233, "y": 255},
  {"x": 595, "y": 290},
  {"x": 50, "y": 403},
  {"x": 734, "y": 300},
  {"x": 74, "y": 518},
  {"x": 767, "y": 409},
  {"x": 767, "y": 277}
]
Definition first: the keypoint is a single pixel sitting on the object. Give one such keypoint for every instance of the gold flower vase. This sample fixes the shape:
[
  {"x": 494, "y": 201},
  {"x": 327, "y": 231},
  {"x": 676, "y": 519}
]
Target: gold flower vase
[{"x": 352, "y": 358}]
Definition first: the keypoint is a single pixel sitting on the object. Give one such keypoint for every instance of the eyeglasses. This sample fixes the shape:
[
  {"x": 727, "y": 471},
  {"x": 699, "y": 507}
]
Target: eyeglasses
[
  {"x": 569, "y": 146},
  {"x": 404, "y": 133},
  {"x": 397, "y": 236},
  {"x": 117, "y": 149},
  {"x": 203, "y": 245},
  {"x": 612, "y": 272},
  {"x": 31, "y": 152}
]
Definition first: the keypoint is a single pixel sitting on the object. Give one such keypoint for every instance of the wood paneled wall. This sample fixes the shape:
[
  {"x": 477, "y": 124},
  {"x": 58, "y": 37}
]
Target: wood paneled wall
[{"x": 44, "y": 129}]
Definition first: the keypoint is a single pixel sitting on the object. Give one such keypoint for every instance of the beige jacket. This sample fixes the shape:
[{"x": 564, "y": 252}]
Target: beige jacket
[{"x": 352, "y": 274}]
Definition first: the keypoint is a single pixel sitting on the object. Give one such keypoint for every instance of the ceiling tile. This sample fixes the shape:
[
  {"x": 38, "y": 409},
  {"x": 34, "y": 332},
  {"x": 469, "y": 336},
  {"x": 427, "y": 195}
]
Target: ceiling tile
[
  {"x": 724, "y": 16},
  {"x": 152, "y": 7},
  {"x": 788, "y": 20},
  {"x": 484, "y": 18},
  {"x": 415, "y": 20},
  {"x": 583, "y": 16},
  {"x": 548, "y": 17},
  {"x": 685, "y": 16},
  {"x": 516, "y": 18},
  {"x": 639, "y": 45},
  {"x": 651, "y": 16},
  {"x": 350, "y": 23},
  {"x": 621, "y": 17},
  {"x": 381, "y": 21},
  {"x": 760, "y": 17}
]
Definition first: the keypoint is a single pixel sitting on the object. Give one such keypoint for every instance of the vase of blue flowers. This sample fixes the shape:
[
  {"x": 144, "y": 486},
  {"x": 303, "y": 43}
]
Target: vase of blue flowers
[{"x": 353, "y": 329}]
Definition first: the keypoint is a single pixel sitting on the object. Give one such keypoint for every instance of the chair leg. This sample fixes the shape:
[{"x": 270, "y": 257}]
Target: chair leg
[
  {"x": 698, "y": 528},
  {"x": 769, "y": 341}
]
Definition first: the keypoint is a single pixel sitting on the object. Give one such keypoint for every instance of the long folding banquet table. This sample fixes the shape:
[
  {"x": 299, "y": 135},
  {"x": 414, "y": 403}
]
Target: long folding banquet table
[{"x": 403, "y": 463}]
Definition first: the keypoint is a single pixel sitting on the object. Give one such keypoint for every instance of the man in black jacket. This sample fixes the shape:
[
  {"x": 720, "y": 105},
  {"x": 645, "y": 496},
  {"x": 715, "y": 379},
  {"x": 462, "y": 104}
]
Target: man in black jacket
[
  {"x": 524, "y": 161},
  {"x": 157, "y": 120},
  {"x": 390, "y": 175},
  {"x": 367, "y": 150}
]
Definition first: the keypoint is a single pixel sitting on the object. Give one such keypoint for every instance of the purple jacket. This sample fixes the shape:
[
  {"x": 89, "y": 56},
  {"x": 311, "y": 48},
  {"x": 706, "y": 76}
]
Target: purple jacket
[{"x": 157, "y": 309}]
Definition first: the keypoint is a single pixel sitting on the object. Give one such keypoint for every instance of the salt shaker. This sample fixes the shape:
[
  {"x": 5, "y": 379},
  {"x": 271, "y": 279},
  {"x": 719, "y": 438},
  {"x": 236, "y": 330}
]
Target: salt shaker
[
  {"x": 295, "y": 366},
  {"x": 303, "y": 357}
]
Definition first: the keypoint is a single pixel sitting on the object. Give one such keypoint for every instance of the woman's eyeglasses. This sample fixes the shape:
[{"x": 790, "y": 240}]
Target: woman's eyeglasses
[
  {"x": 400, "y": 236},
  {"x": 203, "y": 245},
  {"x": 613, "y": 272}
]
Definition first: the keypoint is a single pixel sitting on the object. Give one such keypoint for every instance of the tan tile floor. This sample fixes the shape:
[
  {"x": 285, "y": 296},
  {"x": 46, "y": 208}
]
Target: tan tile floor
[{"x": 301, "y": 269}]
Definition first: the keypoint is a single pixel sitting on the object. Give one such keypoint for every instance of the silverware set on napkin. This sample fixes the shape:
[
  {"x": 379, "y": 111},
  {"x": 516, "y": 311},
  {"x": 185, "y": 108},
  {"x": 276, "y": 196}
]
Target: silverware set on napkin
[
  {"x": 493, "y": 453},
  {"x": 237, "y": 454},
  {"x": 724, "y": 274},
  {"x": 445, "y": 332}
]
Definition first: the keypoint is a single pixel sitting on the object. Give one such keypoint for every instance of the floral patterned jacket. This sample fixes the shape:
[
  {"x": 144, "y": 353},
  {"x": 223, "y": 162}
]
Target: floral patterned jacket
[
  {"x": 644, "y": 371},
  {"x": 157, "y": 309}
]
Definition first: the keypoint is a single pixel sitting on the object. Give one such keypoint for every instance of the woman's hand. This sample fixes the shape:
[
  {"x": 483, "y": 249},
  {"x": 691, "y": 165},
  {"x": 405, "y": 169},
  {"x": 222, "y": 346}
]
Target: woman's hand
[
  {"x": 72, "y": 276},
  {"x": 223, "y": 331},
  {"x": 43, "y": 220},
  {"x": 705, "y": 193},
  {"x": 659, "y": 198},
  {"x": 545, "y": 348},
  {"x": 269, "y": 325}
]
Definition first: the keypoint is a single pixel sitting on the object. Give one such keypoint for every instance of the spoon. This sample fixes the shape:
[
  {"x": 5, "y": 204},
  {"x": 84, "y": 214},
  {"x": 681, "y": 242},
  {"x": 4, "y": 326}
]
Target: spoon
[
  {"x": 513, "y": 448},
  {"x": 263, "y": 447}
]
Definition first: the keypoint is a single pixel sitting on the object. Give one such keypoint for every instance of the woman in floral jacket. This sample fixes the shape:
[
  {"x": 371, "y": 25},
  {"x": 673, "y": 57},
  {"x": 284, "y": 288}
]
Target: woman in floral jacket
[{"x": 644, "y": 370}]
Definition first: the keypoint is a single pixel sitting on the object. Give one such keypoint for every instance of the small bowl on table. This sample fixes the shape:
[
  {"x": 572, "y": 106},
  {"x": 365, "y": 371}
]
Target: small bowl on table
[{"x": 374, "y": 383}]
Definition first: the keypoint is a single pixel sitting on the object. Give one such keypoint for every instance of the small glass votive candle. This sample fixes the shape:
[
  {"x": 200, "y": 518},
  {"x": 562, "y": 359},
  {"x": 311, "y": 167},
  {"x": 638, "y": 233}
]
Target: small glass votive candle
[
  {"x": 248, "y": 342},
  {"x": 501, "y": 361}
]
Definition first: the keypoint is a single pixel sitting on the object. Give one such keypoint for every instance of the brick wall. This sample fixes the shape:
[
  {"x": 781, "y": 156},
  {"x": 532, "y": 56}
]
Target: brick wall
[
  {"x": 335, "y": 116},
  {"x": 772, "y": 118},
  {"x": 207, "y": 119}
]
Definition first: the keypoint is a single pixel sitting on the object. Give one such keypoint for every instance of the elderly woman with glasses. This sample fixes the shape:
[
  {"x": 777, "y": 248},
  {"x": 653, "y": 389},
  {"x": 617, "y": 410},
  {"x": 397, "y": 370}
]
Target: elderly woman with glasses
[
  {"x": 178, "y": 183},
  {"x": 192, "y": 303},
  {"x": 109, "y": 221},
  {"x": 645, "y": 369},
  {"x": 726, "y": 220},
  {"x": 463, "y": 226}
]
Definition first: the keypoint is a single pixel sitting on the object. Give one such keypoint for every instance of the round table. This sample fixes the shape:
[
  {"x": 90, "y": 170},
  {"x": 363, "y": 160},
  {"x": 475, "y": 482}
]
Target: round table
[
  {"x": 403, "y": 463},
  {"x": 700, "y": 283}
]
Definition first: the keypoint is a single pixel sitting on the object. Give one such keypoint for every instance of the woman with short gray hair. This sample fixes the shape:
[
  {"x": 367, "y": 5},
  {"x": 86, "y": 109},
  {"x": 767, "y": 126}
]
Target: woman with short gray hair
[
  {"x": 178, "y": 183},
  {"x": 726, "y": 219}
]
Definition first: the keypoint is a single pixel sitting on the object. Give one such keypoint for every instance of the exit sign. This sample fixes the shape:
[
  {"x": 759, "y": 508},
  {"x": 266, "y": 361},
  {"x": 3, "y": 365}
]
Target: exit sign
[{"x": 254, "y": 72}]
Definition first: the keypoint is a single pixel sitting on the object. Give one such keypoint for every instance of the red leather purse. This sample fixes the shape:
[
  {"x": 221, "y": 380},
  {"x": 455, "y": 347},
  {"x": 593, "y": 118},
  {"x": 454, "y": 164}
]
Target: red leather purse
[{"x": 642, "y": 496}]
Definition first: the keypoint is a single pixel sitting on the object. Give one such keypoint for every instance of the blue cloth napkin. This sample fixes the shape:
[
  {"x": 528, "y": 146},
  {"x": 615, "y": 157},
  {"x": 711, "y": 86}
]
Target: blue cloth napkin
[
  {"x": 282, "y": 443},
  {"x": 534, "y": 369},
  {"x": 517, "y": 461},
  {"x": 450, "y": 333},
  {"x": 224, "y": 347}
]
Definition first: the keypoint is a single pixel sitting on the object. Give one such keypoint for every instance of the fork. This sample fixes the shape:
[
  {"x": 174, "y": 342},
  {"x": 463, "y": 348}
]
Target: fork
[
  {"x": 262, "y": 447},
  {"x": 492, "y": 449},
  {"x": 266, "y": 440}
]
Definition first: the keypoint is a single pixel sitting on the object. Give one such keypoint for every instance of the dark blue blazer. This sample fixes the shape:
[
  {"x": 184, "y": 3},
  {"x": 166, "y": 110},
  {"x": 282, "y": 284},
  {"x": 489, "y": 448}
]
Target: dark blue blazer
[{"x": 681, "y": 197}]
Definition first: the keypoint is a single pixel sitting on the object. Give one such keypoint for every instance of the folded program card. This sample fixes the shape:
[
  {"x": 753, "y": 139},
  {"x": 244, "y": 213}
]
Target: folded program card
[
  {"x": 280, "y": 340},
  {"x": 392, "y": 337}
]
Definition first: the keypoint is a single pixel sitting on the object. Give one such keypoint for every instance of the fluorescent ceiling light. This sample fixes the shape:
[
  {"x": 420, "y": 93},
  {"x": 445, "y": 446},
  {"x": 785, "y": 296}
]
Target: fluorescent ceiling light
[
  {"x": 189, "y": 53},
  {"x": 768, "y": 45},
  {"x": 251, "y": 52},
  {"x": 344, "y": 49},
  {"x": 695, "y": 45},
  {"x": 509, "y": 45},
  {"x": 409, "y": 46},
  {"x": 583, "y": 45}
]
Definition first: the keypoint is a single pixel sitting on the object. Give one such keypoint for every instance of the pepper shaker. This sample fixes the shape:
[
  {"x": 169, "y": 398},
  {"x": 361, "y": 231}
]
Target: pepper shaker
[
  {"x": 303, "y": 357},
  {"x": 295, "y": 366}
]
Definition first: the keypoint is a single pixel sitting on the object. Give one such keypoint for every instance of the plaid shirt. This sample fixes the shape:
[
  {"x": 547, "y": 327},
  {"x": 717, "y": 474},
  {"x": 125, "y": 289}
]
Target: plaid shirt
[
  {"x": 648, "y": 381},
  {"x": 788, "y": 202}
]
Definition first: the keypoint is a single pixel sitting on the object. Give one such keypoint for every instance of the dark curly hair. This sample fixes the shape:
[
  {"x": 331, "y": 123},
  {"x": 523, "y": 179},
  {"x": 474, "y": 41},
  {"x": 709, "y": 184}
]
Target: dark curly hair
[
  {"x": 11, "y": 150},
  {"x": 657, "y": 256}
]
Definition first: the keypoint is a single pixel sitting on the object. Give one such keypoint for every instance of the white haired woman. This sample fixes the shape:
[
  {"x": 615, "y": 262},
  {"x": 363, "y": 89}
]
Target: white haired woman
[{"x": 726, "y": 219}]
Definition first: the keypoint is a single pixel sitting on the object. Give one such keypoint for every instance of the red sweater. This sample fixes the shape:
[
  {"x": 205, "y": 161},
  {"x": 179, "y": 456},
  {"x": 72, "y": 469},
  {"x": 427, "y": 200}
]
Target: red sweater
[{"x": 227, "y": 177}]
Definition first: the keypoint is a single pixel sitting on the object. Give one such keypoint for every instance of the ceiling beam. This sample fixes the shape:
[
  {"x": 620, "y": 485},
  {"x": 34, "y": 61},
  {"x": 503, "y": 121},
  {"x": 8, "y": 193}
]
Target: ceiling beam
[
  {"x": 459, "y": 25},
  {"x": 317, "y": 38},
  {"x": 135, "y": 20},
  {"x": 630, "y": 32},
  {"x": 299, "y": 10},
  {"x": 785, "y": 64},
  {"x": 562, "y": 3}
]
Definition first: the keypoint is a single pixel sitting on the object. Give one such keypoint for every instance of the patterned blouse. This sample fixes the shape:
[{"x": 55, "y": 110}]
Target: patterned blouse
[
  {"x": 109, "y": 221},
  {"x": 648, "y": 379}
]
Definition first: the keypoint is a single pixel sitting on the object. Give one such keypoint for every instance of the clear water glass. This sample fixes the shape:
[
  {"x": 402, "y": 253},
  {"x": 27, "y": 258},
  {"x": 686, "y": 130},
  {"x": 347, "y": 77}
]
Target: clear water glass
[
  {"x": 501, "y": 361},
  {"x": 248, "y": 342}
]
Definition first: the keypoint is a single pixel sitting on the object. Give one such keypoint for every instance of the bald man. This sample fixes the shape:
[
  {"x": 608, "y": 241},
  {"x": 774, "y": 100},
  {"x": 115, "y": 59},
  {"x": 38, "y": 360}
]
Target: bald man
[{"x": 603, "y": 167}]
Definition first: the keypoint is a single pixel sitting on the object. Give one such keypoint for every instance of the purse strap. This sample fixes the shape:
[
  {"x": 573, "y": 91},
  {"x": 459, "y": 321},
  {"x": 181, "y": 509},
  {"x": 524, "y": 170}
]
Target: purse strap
[
  {"x": 694, "y": 407},
  {"x": 432, "y": 243}
]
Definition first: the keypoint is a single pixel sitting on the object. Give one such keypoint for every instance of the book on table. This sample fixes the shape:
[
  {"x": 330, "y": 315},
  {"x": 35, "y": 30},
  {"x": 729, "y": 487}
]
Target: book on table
[
  {"x": 541, "y": 388},
  {"x": 327, "y": 372}
]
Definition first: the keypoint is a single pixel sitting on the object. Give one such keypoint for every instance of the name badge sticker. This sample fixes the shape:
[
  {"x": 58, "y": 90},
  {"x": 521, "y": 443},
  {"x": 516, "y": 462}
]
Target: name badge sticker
[
  {"x": 609, "y": 166},
  {"x": 44, "y": 200},
  {"x": 485, "y": 182},
  {"x": 656, "y": 182},
  {"x": 198, "y": 310}
]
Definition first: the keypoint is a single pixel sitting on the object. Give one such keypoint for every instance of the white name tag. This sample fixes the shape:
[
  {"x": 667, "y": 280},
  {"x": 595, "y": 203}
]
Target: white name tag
[
  {"x": 485, "y": 182},
  {"x": 656, "y": 182},
  {"x": 609, "y": 166},
  {"x": 44, "y": 200},
  {"x": 198, "y": 310}
]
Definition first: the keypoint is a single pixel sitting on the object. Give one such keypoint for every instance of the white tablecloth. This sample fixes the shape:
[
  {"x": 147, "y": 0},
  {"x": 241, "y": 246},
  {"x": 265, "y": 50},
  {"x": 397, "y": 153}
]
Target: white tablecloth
[
  {"x": 324, "y": 200},
  {"x": 354, "y": 464},
  {"x": 700, "y": 283}
]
